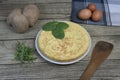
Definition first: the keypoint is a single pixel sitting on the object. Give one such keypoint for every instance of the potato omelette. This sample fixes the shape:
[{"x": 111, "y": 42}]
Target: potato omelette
[{"x": 72, "y": 46}]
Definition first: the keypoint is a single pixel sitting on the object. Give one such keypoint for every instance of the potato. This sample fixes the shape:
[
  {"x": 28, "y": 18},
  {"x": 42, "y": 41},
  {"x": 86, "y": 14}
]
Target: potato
[
  {"x": 11, "y": 15},
  {"x": 20, "y": 23},
  {"x": 20, "y": 20},
  {"x": 32, "y": 14}
]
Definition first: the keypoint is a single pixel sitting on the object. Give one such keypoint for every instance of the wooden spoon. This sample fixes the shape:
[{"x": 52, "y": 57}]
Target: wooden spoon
[{"x": 100, "y": 52}]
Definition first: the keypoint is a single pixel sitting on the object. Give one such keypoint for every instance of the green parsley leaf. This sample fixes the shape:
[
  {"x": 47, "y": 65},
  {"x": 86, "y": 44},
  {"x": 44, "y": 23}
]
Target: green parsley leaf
[
  {"x": 24, "y": 53},
  {"x": 62, "y": 25},
  {"x": 50, "y": 26},
  {"x": 58, "y": 33},
  {"x": 57, "y": 28}
]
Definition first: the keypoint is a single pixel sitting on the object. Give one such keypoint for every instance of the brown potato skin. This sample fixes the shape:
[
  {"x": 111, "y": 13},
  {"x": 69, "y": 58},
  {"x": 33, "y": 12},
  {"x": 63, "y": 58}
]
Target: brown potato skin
[
  {"x": 84, "y": 14},
  {"x": 20, "y": 23},
  {"x": 32, "y": 14},
  {"x": 17, "y": 21},
  {"x": 11, "y": 15},
  {"x": 97, "y": 15}
]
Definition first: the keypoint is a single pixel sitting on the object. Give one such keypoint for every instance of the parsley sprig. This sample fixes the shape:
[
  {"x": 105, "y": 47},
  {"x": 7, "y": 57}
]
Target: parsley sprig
[{"x": 24, "y": 53}]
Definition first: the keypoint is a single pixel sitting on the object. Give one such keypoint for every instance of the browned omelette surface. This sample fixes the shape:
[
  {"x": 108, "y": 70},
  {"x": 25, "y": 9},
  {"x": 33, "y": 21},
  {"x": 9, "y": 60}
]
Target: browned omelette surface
[{"x": 74, "y": 44}]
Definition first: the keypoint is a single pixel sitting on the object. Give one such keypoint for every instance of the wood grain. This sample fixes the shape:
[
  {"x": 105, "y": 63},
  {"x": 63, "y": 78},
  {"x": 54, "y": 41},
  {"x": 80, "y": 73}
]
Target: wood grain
[
  {"x": 46, "y": 10},
  {"x": 46, "y": 71},
  {"x": 33, "y": 1},
  {"x": 50, "y": 10},
  {"x": 8, "y": 49},
  {"x": 6, "y": 33}
]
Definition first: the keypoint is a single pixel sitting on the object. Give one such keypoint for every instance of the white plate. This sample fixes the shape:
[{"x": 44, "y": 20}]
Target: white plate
[{"x": 58, "y": 62}]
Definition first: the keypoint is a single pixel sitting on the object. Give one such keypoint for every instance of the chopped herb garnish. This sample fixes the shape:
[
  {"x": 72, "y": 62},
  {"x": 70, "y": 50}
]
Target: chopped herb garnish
[{"x": 24, "y": 53}]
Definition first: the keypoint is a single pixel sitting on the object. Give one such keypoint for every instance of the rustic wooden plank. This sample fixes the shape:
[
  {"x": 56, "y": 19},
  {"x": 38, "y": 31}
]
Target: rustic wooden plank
[
  {"x": 44, "y": 16},
  {"x": 44, "y": 8},
  {"x": 96, "y": 30},
  {"x": 94, "y": 78},
  {"x": 45, "y": 71},
  {"x": 7, "y": 33},
  {"x": 105, "y": 78},
  {"x": 10, "y": 69},
  {"x": 32, "y": 1},
  {"x": 8, "y": 49},
  {"x": 10, "y": 46},
  {"x": 52, "y": 9}
]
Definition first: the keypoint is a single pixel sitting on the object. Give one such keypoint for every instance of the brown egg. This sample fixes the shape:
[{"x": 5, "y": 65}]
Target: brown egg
[
  {"x": 97, "y": 15},
  {"x": 84, "y": 14},
  {"x": 92, "y": 6}
]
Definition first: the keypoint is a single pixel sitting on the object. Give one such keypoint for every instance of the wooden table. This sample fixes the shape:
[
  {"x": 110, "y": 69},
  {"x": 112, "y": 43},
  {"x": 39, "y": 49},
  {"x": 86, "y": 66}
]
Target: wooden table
[{"x": 10, "y": 69}]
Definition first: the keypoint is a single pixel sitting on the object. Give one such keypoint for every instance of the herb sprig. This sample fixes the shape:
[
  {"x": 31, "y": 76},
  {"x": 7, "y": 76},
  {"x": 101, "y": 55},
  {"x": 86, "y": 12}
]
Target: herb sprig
[
  {"x": 24, "y": 53},
  {"x": 57, "y": 28}
]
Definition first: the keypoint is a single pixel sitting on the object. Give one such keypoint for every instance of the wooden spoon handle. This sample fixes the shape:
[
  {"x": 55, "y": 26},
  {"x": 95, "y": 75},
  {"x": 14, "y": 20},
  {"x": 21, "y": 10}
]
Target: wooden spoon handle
[{"x": 100, "y": 52}]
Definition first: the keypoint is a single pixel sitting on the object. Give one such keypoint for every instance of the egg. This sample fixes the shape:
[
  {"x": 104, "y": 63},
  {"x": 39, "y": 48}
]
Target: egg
[
  {"x": 97, "y": 15},
  {"x": 92, "y": 6},
  {"x": 84, "y": 14}
]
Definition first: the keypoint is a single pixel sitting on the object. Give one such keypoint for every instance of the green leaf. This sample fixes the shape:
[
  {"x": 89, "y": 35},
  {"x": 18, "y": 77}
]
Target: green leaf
[
  {"x": 58, "y": 33},
  {"x": 50, "y": 26},
  {"x": 62, "y": 25},
  {"x": 24, "y": 53},
  {"x": 57, "y": 28}
]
